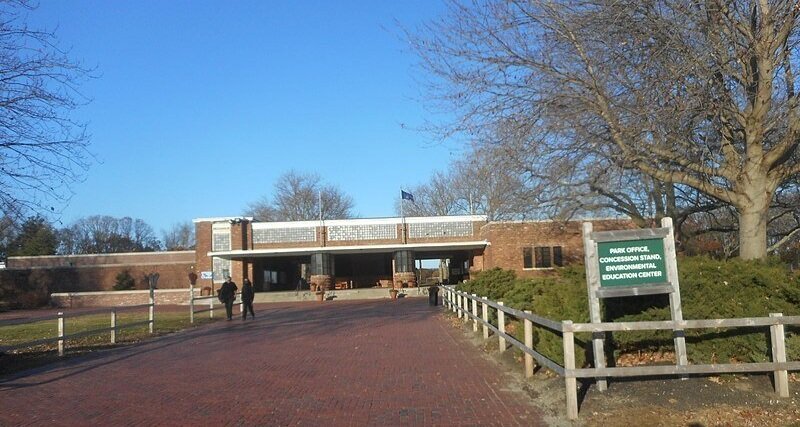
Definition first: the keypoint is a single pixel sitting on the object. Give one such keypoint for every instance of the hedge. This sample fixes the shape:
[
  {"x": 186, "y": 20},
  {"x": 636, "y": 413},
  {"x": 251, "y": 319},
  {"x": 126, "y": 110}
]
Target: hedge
[{"x": 710, "y": 289}]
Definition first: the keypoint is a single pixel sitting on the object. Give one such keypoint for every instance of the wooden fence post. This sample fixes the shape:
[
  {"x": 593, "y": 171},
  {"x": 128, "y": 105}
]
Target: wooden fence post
[
  {"x": 152, "y": 308},
  {"x": 466, "y": 308},
  {"x": 501, "y": 325},
  {"x": 211, "y": 308},
  {"x": 570, "y": 382},
  {"x": 485, "y": 313},
  {"x": 60, "y": 333},
  {"x": 474, "y": 313},
  {"x": 460, "y": 306},
  {"x": 529, "y": 344},
  {"x": 593, "y": 282},
  {"x": 191, "y": 303},
  {"x": 779, "y": 356},
  {"x": 679, "y": 336},
  {"x": 113, "y": 326}
]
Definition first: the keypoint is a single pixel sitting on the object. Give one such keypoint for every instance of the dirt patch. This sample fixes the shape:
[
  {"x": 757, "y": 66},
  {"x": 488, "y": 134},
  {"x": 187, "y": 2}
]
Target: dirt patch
[{"x": 730, "y": 400}]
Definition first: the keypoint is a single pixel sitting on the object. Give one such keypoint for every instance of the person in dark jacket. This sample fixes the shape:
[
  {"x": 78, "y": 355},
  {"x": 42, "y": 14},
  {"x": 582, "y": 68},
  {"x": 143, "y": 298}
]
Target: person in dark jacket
[
  {"x": 227, "y": 294},
  {"x": 248, "y": 293}
]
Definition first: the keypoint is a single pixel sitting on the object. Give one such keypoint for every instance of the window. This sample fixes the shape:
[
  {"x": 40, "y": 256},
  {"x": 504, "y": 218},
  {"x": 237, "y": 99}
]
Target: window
[
  {"x": 557, "y": 258},
  {"x": 284, "y": 235},
  {"x": 527, "y": 258},
  {"x": 439, "y": 229},
  {"x": 220, "y": 269},
  {"x": 542, "y": 257},
  {"x": 362, "y": 232}
]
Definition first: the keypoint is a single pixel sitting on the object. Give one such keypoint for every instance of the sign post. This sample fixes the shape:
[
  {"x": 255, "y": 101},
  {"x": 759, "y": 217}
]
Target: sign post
[{"x": 624, "y": 263}]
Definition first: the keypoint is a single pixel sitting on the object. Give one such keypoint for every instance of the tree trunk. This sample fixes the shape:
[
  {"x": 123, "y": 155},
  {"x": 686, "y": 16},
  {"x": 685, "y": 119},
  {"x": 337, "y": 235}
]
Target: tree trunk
[{"x": 753, "y": 232}]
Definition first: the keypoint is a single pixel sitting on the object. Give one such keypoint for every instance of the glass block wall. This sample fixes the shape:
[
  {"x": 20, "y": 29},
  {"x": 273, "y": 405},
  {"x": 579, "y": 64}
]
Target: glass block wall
[
  {"x": 440, "y": 229},
  {"x": 283, "y": 235},
  {"x": 220, "y": 241},
  {"x": 362, "y": 232},
  {"x": 221, "y": 268}
]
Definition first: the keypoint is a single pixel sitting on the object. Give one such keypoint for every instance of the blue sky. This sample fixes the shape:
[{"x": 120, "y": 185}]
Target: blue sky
[{"x": 199, "y": 106}]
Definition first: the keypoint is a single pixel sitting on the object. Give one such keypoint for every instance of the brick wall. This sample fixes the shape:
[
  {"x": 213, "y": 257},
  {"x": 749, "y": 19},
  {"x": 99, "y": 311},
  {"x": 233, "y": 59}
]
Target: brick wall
[
  {"x": 129, "y": 258},
  {"x": 507, "y": 239},
  {"x": 202, "y": 235},
  {"x": 29, "y": 281},
  {"x": 119, "y": 298}
]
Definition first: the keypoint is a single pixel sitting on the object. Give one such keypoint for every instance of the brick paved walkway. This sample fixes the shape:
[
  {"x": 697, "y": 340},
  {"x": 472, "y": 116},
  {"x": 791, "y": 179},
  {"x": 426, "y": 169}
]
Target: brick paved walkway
[{"x": 341, "y": 363}]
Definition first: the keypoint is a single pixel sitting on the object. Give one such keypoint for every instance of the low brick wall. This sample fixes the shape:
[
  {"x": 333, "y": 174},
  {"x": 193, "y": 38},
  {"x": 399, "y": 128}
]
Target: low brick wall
[
  {"x": 119, "y": 298},
  {"x": 27, "y": 282}
]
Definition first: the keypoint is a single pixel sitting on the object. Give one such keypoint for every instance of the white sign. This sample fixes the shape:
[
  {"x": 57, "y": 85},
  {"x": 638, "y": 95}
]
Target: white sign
[{"x": 206, "y": 275}]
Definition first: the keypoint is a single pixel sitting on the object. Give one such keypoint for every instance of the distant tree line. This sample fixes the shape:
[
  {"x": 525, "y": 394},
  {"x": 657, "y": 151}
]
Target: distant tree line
[{"x": 89, "y": 235}]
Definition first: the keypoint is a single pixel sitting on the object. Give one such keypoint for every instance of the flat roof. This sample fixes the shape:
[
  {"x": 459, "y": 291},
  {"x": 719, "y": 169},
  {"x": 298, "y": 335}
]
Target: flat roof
[
  {"x": 350, "y": 221},
  {"x": 418, "y": 247}
]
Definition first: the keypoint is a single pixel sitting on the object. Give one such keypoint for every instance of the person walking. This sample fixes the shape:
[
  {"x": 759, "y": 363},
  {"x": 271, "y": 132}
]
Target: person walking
[
  {"x": 227, "y": 294},
  {"x": 248, "y": 294}
]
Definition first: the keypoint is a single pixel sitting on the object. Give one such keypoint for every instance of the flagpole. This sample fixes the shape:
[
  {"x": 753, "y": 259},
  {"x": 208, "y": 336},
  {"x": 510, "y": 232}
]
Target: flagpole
[
  {"x": 470, "y": 202},
  {"x": 402, "y": 215},
  {"x": 401, "y": 204}
]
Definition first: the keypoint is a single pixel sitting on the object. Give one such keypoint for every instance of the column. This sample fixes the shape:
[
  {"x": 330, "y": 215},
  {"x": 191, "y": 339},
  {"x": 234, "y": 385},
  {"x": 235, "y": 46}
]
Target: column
[
  {"x": 404, "y": 275},
  {"x": 322, "y": 271}
]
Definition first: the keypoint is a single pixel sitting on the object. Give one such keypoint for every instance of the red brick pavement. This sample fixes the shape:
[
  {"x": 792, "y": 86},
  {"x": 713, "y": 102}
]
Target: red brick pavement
[{"x": 339, "y": 363}]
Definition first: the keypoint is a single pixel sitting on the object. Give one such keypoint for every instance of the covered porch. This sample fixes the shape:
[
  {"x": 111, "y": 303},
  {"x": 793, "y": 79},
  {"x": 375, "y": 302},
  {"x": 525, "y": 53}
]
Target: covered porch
[{"x": 355, "y": 267}]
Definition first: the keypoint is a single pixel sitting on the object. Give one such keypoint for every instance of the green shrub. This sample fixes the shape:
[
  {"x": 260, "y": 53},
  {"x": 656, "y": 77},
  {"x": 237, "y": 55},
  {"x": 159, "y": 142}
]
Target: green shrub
[
  {"x": 124, "y": 281},
  {"x": 561, "y": 297},
  {"x": 710, "y": 289}
]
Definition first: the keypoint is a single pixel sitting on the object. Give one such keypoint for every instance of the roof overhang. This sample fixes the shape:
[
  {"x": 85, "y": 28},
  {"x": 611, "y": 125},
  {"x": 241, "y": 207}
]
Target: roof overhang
[{"x": 418, "y": 247}]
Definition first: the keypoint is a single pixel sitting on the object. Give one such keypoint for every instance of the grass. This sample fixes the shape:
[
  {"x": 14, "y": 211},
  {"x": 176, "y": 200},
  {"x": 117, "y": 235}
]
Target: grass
[{"x": 166, "y": 322}]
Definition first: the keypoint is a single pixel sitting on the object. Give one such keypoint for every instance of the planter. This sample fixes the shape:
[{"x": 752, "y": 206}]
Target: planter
[
  {"x": 320, "y": 295},
  {"x": 393, "y": 293}
]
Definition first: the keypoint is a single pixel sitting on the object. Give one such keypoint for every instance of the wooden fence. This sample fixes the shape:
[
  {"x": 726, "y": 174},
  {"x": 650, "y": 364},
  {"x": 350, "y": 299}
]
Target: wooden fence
[
  {"x": 466, "y": 307},
  {"x": 210, "y": 309},
  {"x": 61, "y": 319}
]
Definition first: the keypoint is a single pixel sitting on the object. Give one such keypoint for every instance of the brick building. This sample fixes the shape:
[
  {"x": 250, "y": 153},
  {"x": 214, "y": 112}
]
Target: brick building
[
  {"x": 333, "y": 254},
  {"x": 361, "y": 253},
  {"x": 96, "y": 272},
  {"x": 30, "y": 281}
]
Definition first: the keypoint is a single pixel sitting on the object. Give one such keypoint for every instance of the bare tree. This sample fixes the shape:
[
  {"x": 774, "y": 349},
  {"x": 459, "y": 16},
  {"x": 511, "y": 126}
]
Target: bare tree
[
  {"x": 106, "y": 234},
  {"x": 179, "y": 237},
  {"x": 698, "y": 94},
  {"x": 42, "y": 150},
  {"x": 482, "y": 182},
  {"x": 297, "y": 197},
  {"x": 433, "y": 198}
]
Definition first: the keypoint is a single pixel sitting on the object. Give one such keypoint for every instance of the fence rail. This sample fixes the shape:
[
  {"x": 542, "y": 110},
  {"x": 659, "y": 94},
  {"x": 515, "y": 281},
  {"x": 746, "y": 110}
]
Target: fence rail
[
  {"x": 61, "y": 322},
  {"x": 210, "y": 309},
  {"x": 466, "y": 307}
]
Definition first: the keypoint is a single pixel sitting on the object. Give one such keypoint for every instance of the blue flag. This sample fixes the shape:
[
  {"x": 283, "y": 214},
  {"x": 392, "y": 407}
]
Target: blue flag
[{"x": 406, "y": 196}]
